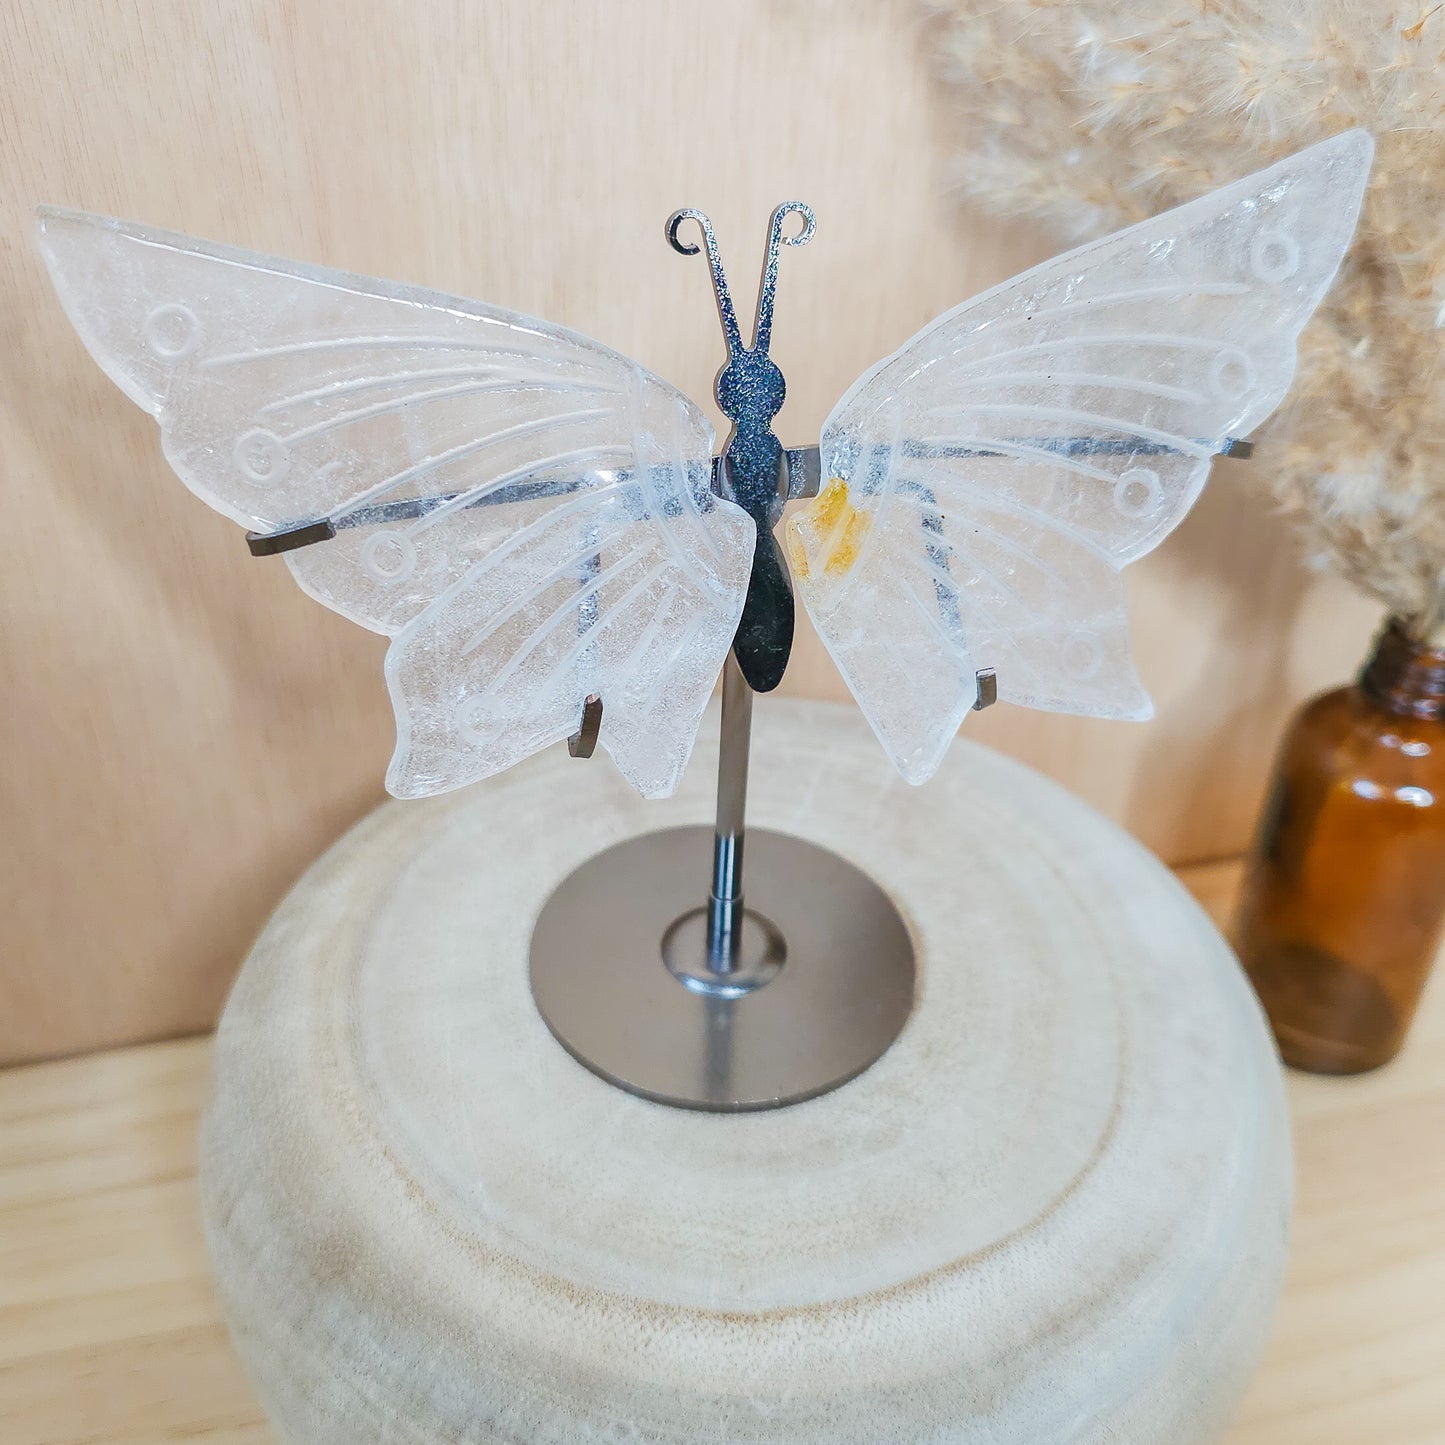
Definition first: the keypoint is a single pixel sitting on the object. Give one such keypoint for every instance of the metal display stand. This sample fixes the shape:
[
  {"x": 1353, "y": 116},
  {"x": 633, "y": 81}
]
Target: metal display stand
[
  {"x": 717, "y": 1003},
  {"x": 702, "y": 1000}
]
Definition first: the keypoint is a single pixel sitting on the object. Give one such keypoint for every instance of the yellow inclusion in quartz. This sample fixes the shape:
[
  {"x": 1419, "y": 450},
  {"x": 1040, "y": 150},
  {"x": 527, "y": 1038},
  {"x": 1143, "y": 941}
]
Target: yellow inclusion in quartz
[{"x": 832, "y": 525}]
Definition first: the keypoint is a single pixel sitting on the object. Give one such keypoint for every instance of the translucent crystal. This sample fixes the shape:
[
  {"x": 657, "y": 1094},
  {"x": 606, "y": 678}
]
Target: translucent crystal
[
  {"x": 985, "y": 484},
  {"x": 527, "y": 514}
]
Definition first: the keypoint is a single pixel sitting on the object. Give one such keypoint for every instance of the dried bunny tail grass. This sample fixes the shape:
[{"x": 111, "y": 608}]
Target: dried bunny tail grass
[{"x": 1091, "y": 114}]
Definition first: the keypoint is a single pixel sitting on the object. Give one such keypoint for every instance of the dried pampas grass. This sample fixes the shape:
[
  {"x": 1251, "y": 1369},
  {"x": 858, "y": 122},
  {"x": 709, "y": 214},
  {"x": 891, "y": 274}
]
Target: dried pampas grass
[{"x": 1091, "y": 114}]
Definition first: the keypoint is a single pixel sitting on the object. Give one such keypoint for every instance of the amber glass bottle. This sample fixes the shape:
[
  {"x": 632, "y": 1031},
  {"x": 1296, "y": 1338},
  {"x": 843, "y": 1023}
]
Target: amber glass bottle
[{"x": 1344, "y": 900}]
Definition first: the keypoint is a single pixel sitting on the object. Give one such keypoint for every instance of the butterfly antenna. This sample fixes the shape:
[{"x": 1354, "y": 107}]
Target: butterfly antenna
[
  {"x": 763, "y": 326},
  {"x": 719, "y": 281}
]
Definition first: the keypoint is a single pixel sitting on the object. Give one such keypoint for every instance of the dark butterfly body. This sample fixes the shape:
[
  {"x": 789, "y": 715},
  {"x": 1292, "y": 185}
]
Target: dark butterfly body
[{"x": 750, "y": 390}]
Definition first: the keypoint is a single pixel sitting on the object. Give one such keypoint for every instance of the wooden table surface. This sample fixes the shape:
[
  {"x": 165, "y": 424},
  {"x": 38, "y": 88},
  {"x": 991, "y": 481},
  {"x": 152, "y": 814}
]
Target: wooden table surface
[{"x": 110, "y": 1330}]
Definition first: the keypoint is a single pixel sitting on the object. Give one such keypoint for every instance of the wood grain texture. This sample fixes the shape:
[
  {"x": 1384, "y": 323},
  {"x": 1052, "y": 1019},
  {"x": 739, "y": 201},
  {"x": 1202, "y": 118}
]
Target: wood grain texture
[
  {"x": 110, "y": 1330},
  {"x": 182, "y": 730},
  {"x": 428, "y": 1222}
]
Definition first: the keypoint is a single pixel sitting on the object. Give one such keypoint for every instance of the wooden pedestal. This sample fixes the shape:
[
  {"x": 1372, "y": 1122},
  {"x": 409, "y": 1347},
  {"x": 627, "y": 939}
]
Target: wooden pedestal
[{"x": 1053, "y": 1212}]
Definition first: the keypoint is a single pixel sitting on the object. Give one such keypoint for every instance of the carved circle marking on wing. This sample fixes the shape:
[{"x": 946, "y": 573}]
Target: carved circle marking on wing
[
  {"x": 475, "y": 720},
  {"x": 172, "y": 331},
  {"x": 1231, "y": 374},
  {"x": 1274, "y": 255},
  {"x": 388, "y": 557},
  {"x": 1138, "y": 492},
  {"x": 261, "y": 457},
  {"x": 1083, "y": 655}
]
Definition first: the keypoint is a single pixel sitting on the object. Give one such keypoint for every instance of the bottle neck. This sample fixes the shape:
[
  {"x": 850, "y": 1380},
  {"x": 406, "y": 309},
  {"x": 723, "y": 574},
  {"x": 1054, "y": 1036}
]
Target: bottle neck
[{"x": 1405, "y": 676}]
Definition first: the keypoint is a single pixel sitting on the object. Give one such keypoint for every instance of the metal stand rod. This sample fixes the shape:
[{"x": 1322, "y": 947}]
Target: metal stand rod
[
  {"x": 725, "y": 898},
  {"x": 765, "y": 1006}
]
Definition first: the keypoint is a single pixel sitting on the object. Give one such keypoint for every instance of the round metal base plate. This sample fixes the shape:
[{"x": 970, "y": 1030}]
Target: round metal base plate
[{"x": 841, "y": 996}]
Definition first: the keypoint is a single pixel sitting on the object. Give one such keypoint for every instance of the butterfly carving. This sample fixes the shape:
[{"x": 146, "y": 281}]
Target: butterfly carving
[{"x": 541, "y": 528}]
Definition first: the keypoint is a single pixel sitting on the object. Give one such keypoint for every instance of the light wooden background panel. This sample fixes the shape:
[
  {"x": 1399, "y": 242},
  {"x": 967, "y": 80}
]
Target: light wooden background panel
[{"x": 182, "y": 730}]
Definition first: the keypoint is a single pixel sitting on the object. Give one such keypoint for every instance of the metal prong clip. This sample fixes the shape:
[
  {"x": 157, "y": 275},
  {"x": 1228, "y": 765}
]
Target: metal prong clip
[
  {"x": 987, "y": 681},
  {"x": 583, "y": 743}
]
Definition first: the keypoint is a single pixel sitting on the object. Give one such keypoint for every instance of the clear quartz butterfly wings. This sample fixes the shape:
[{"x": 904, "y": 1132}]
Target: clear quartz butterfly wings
[
  {"x": 537, "y": 522},
  {"x": 986, "y": 482},
  {"x": 528, "y": 515}
]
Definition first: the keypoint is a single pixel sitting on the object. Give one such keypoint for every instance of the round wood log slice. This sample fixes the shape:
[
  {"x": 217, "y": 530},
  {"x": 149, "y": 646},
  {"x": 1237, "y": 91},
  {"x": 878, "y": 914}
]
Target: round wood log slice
[{"x": 1054, "y": 1211}]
